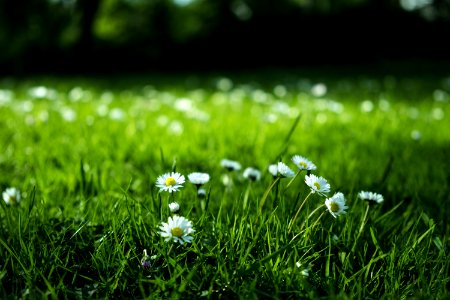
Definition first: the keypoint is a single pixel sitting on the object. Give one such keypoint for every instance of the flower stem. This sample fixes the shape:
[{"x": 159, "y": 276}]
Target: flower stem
[
  {"x": 292, "y": 180},
  {"x": 266, "y": 194},
  {"x": 312, "y": 213},
  {"x": 298, "y": 211},
  {"x": 315, "y": 223},
  {"x": 276, "y": 197},
  {"x": 363, "y": 223},
  {"x": 247, "y": 192}
]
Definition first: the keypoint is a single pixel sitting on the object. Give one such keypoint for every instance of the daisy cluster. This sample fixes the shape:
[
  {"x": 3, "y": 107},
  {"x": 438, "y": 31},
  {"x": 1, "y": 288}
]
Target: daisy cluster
[
  {"x": 336, "y": 204},
  {"x": 178, "y": 228},
  {"x": 250, "y": 173}
]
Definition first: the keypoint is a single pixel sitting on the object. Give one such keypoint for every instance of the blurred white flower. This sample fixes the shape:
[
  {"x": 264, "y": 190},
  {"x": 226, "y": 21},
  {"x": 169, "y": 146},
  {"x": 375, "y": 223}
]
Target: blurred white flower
[
  {"x": 117, "y": 114},
  {"x": 68, "y": 114},
  {"x": 319, "y": 90},
  {"x": 280, "y": 91},
  {"x": 226, "y": 180},
  {"x": 201, "y": 193},
  {"x": 284, "y": 170},
  {"x": 38, "y": 92},
  {"x": 176, "y": 127},
  {"x": 224, "y": 84},
  {"x": 198, "y": 178},
  {"x": 174, "y": 207},
  {"x": 370, "y": 196},
  {"x": 11, "y": 195},
  {"x": 6, "y": 96},
  {"x": 102, "y": 110},
  {"x": 76, "y": 94},
  {"x": 273, "y": 169},
  {"x": 230, "y": 165},
  {"x": 437, "y": 113},
  {"x": 162, "y": 120},
  {"x": 252, "y": 174},
  {"x": 366, "y": 106},
  {"x": 303, "y": 163},
  {"x": 183, "y": 104}
]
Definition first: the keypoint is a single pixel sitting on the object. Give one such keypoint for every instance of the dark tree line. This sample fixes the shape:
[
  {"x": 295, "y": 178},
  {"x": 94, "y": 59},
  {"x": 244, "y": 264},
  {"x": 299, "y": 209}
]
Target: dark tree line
[{"x": 108, "y": 35}]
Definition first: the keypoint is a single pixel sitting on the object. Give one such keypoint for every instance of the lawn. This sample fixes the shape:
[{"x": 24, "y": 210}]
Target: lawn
[{"x": 85, "y": 154}]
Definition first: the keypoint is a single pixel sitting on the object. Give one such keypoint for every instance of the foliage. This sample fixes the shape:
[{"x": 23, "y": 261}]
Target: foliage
[{"x": 86, "y": 153}]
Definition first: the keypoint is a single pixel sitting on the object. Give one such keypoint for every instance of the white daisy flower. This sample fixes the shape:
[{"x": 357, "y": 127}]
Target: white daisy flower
[
  {"x": 336, "y": 205},
  {"x": 370, "y": 196},
  {"x": 174, "y": 207},
  {"x": 252, "y": 174},
  {"x": 230, "y": 165},
  {"x": 201, "y": 193},
  {"x": 317, "y": 184},
  {"x": 303, "y": 163},
  {"x": 170, "y": 182},
  {"x": 273, "y": 169},
  {"x": 198, "y": 178},
  {"x": 177, "y": 229},
  {"x": 11, "y": 195},
  {"x": 284, "y": 170}
]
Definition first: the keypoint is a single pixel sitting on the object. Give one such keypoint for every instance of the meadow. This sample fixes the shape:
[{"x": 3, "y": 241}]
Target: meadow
[{"x": 86, "y": 155}]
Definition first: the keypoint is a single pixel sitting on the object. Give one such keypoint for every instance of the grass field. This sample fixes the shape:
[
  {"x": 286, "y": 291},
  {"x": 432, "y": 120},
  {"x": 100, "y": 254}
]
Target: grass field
[{"x": 86, "y": 153}]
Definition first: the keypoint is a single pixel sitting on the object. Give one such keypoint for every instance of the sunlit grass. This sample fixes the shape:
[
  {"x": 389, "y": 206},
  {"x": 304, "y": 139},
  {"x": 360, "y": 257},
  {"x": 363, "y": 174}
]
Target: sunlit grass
[{"x": 86, "y": 156}]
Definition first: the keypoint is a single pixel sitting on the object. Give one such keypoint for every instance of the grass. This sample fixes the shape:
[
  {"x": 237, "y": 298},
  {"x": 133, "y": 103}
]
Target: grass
[{"x": 85, "y": 154}]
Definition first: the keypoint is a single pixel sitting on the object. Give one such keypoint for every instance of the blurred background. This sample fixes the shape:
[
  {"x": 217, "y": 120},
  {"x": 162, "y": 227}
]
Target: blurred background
[{"x": 67, "y": 36}]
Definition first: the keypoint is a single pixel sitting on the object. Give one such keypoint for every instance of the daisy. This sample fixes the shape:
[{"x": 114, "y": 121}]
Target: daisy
[
  {"x": 252, "y": 174},
  {"x": 198, "y": 178},
  {"x": 11, "y": 195},
  {"x": 336, "y": 205},
  {"x": 284, "y": 170},
  {"x": 170, "y": 182},
  {"x": 273, "y": 169},
  {"x": 177, "y": 229},
  {"x": 303, "y": 163},
  {"x": 174, "y": 207},
  {"x": 230, "y": 165},
  {"x": 317, "y": 184},
  {"x": 201, "y": 193},
  {"x": 370, "y": 196}
]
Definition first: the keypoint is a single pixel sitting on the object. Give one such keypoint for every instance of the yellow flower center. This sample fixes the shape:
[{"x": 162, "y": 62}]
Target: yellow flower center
[
  {"x": 177, "y": 231},
  {"x": 170, "y": 181},
  {"x": 334, "y": 207},
  {"x": 317, "y": 185},
  {"x": 303, "y": 164}
]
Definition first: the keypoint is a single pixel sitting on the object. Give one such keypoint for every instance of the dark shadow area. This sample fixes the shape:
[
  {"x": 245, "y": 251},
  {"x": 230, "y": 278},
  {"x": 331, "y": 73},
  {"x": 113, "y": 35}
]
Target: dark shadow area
[{"x": 104, "y": 36}]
